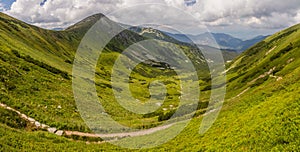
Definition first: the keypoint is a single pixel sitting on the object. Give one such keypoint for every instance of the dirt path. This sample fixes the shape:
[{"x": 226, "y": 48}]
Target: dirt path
[
  {"x": 243, "y": 92},
  {"x": 271, "y": 50},
  {"x": 120, "y": 135},
  {"x": 25, "y": 117},
  {"x": 82, "y": 134}
]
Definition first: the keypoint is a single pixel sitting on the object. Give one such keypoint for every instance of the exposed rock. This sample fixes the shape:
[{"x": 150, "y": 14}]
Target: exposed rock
[
  {"x": 279, "y": 78},
  {"x": 31, "y": 120},
  {"x": 290, "y": 60},
  {"x": 59, "y": 132},
  {"x": 37, "y": 124},
  {"x": 45, "y": 126},
  {"x": 24, "y": 116},
  {"x": 159, "y": 104},
  {"x": 9, "y": 108},
  {"x": 52, "y": 130},
  {"x": 3, "y": 105}
]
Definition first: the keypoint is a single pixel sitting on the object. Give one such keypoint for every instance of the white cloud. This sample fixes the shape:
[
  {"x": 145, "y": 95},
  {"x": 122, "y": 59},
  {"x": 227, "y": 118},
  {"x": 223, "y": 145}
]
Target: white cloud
[
  {"x": 59, "y": 13},
  {"x": 263, "y": 14},
  {"x": 2, "y": 7}
]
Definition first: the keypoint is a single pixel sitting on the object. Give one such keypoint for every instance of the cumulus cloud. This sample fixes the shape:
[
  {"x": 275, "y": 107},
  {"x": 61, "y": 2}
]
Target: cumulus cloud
[
  {"x": 266, "y": 13},
  {"x": 59, "y": 13},
  {"x": 262, "y": 14}
]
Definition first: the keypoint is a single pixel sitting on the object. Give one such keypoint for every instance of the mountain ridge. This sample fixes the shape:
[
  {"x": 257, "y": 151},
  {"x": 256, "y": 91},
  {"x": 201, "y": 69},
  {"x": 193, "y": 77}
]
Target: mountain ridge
[{"x": 225, "y": 41}]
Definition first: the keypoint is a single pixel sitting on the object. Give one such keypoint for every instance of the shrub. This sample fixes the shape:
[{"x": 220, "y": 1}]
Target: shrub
[
  {"x": 25, "y": 68},
  {"x": 68, "y": 61},
  {"x": 12, "y": 119},
  {"x": 10, "y": 85},
  {"x": 206, "y": 88},
  {"x": 282, "y": 52},
  {"x": 166, "y": 116},
  {"x": 42, "y": 65},
  {"x": 16, "y": 53},
  {"x": 234, "y": 78},
  {"x": 153, "y": 114},
  {"x": 202, "y": 105},
  {"x": 259, "y": 81}
]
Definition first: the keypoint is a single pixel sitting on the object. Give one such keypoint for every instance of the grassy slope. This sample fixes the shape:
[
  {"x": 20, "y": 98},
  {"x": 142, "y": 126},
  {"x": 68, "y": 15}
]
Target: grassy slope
[
  {"x": 34, "y": 64},
  {"x": 265, "y": 117},
  {"x": 51, "y": 47},
  {"x": 261, "y": 122},
  {"x": 26, "y": 86}
]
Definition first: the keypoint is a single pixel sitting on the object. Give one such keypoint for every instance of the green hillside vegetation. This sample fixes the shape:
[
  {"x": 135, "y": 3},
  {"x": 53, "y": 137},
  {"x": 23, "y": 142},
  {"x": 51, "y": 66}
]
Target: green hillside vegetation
[
  {"x": 261, "y": 111},
  {"x": 36, "y": 74},
  {"x": 272, "y": 58}
]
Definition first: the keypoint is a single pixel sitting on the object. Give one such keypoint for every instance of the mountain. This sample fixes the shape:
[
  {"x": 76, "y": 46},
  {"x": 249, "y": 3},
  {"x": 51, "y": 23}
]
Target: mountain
[
  {"x": 58, "y": 29},
  {"x": 224, "y": 41},
  {"x": 244, "y": 45},
  {"x": 149, "y": 32},
  {"x": 36, "y": 68},
  {"x": 153, "y": 33},
  {"x": 260, "y": 112}
]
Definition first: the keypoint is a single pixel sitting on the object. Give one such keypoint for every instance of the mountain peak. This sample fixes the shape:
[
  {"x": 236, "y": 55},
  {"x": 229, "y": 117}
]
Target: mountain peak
[{"x": 87, "y": 22}]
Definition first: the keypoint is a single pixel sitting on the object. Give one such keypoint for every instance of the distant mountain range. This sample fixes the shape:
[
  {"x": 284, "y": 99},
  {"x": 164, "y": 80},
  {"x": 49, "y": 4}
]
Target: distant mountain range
[
  {"x": 225, "y": 41},
  {"x": 228, "y": 53}
]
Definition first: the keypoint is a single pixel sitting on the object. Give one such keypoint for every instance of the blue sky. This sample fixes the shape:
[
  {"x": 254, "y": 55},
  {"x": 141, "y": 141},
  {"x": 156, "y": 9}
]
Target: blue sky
[
  {"x": 240, "y": 18},
  {"x": 6, "y": 3}
]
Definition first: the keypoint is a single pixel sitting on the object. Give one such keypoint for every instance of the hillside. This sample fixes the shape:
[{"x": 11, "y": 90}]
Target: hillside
[
  {"x": 261, "y": 111},
  {"x": 36, "y": 68}
]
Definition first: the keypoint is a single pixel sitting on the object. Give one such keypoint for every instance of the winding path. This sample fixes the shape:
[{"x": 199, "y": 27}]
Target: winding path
[
  {"x": 82, "y": 134},
  {"x": 120, "y": 135}
]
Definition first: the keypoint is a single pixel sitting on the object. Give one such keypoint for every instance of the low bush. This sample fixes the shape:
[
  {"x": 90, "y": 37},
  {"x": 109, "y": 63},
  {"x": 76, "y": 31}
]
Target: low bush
[
  {"x": 282, "y": 52},
  {"x": 11, "y": 119},
  {"x": 42, "y": 65}
]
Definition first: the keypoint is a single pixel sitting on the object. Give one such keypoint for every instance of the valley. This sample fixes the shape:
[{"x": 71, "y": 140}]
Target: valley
[{"x": 260, "y": 112}]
